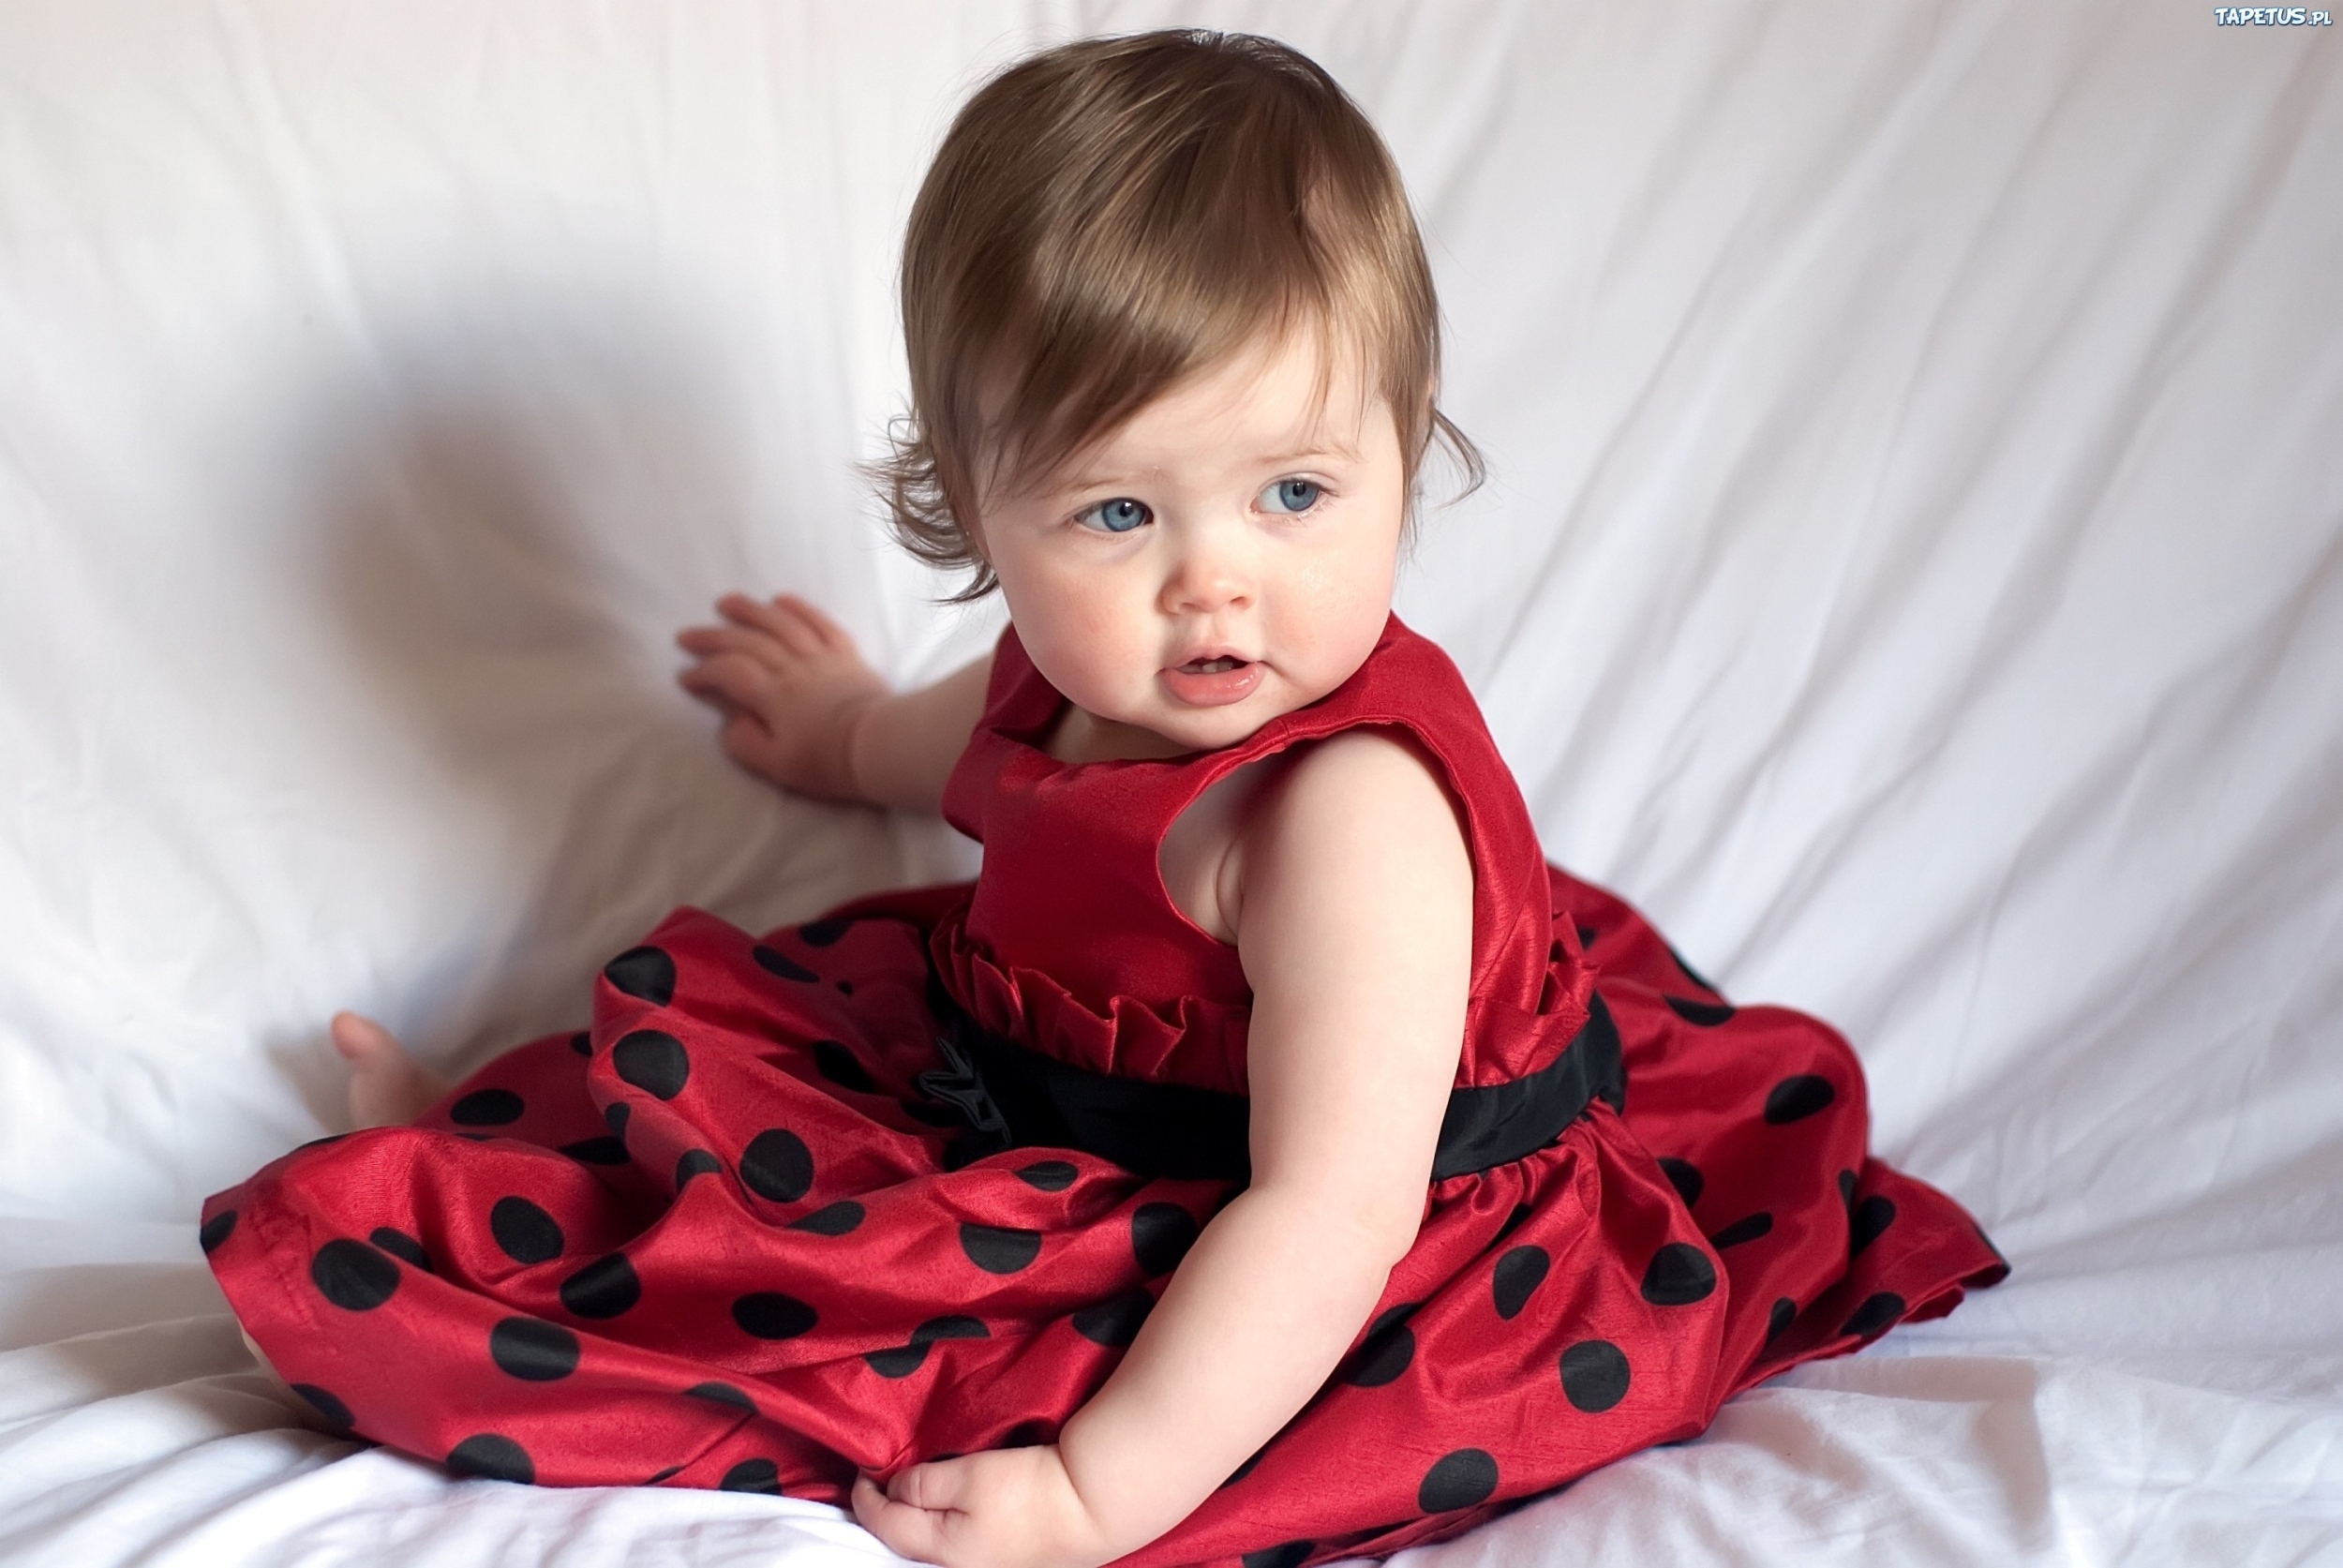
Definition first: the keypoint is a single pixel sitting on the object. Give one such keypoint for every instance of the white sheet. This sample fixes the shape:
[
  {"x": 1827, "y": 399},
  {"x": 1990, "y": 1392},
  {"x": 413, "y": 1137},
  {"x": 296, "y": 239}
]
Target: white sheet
[{"x": 1913, "y": 570}]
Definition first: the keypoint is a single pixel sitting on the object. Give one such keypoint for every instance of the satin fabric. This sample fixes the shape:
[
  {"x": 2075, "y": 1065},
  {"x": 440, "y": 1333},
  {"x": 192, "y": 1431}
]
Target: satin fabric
[{"x": 718, "y": 1239}]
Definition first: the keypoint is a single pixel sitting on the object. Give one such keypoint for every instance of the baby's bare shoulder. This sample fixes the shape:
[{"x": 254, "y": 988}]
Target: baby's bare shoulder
[
  {"x": 1362, "y": 815},
  {"x": 1365, "y": 782}
]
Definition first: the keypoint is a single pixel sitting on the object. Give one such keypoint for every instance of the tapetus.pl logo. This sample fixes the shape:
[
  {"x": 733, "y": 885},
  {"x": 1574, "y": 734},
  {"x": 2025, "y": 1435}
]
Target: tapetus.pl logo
[{"x": 2269, "y": 16}]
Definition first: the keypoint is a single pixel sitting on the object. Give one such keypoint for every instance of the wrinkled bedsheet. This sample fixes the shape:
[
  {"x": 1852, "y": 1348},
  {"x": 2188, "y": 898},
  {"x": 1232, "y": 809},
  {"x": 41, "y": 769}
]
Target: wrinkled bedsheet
[{"x": 1911, "y": 568}]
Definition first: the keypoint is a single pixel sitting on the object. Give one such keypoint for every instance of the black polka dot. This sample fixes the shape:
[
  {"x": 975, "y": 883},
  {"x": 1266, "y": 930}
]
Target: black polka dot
[
  {"x": 821, "y": 933},
  {"x": 999, "y": 1248},
  {"x": 695, "y": 1162},
  {"x": 1680, "y": 1273},
  {"x": 353, "y": 1275},
  {"x": 492, "y": 1458},
  {"x": 1793, "y": 1099},
  {"x": 616, "y": 1115},
  {"x": 324, "y": 1404},
  {"x": 1117, "y": 1320},
  {"x": 603, "y": 1289},
  {"x": 1049, "y": 1175},
  {"x": 777, "y": 1165},
  {"x": 831, "y": 1220},
  {"x": 653, "y": 1061},
  {"x": 1518, "y": 1273},
  {"x": 1161, "y": 1233},
  {"x": 596, "y": 1151},
  {"x": 902, "y": 1362},
  {"x": 953, "y": 1327},
  {"x": 1459, "y": 1480},
  {"x": 1684, "y": 1176},
  {"x": 1286, "y": 1554},
  {"x": 1706, "y": 1014},
  {"x": 771, "y": 1315},
  {"x": 1749, "y": 1228},
  {"x": 218, "y": 1228},
  {"x": 899, "y": 1361},
  {"x": 1252, "y": 1462},
  {"x": 658, "y": 1475},
  {"x": 1784, "y": 1313},
  {"x": 1846, "y": 1189},
  {"x": 1594, "y": 1375},
  {"x": 1386, "y": 1351},
  {"x": 774, "y": 962},
  {"x": 399, "y": 1245},
  {"x": 486, "y": 1107},
  {"x": 753, "y": 1475},
  {"x": 1875, "y": 1316},
  {"x": 647, "y": 973},
  {"x": 1872, "y": 1215},
  {"x": 534, "y": 1349},
  {"x": 1690, "y": 973},
  {"x": 526, "y": 1232},
  {"x": 722, "y": 1394},
  {"x": 835, "y": 1061},
  {"x": 583, "y": 1043}
]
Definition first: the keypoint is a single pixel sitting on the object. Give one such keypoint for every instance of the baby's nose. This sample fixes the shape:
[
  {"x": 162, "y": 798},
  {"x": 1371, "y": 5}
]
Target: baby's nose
[{"x": 1212, "y": 573}]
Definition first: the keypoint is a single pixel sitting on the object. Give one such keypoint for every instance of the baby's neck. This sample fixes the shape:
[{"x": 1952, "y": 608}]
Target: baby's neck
[{"x": 1080, "y": 736}]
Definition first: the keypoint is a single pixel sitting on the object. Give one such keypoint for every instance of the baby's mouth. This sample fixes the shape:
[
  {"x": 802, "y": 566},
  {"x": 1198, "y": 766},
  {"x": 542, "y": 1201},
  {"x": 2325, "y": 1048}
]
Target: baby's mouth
[{"x": 1213, "y": 666}]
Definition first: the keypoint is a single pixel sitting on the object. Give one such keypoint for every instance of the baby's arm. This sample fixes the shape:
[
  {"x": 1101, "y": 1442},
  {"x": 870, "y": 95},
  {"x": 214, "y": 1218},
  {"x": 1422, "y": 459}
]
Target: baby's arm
[
  {"x": 1350, "y": 892},
  {"x": 1353, "y": 913},
  {"x": 801, "y": 709}
]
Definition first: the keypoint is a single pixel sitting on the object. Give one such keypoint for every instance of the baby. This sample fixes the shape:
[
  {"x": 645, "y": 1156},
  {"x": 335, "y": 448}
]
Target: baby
[{"x": 1244, "y": 1165}]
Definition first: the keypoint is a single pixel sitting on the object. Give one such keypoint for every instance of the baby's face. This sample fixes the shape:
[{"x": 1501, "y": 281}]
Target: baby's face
[{"x": 1224, "y": 557}]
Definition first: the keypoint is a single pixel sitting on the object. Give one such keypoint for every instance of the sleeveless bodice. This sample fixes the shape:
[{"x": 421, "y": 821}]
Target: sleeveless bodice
[{"x": 1070, "y": 945}]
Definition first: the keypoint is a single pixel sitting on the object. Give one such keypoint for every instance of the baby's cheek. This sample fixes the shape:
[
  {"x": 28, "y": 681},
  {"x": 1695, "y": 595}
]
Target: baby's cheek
[{"x": 1090, "y": 648}]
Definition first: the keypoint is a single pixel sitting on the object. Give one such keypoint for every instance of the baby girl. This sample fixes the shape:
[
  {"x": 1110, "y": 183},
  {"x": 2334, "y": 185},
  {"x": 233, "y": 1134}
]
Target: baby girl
[{"x": 1269, "y": 1156}]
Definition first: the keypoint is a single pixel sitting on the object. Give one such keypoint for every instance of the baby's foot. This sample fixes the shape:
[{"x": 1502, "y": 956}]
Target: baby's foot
[{"x": 387, "y": 1086}]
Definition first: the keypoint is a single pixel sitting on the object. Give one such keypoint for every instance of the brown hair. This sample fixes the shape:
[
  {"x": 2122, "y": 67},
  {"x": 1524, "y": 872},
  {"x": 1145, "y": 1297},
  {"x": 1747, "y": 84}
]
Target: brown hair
[{"x": 1109, "y": 217}]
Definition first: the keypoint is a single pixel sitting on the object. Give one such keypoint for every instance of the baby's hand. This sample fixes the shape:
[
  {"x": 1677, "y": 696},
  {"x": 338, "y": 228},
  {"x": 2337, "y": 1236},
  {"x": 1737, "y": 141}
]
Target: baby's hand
[
  {"x": 789, "y": 681},
  {"x": 1004, "y": 1508}
]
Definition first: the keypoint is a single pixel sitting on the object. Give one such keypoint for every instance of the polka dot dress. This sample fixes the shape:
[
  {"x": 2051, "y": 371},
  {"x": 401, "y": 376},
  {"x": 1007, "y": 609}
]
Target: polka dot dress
[{"x": 907, "y": 1181}]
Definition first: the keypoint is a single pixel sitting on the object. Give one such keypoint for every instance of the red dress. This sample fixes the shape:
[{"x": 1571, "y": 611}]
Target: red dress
[{"x": 905, "y": 1181}]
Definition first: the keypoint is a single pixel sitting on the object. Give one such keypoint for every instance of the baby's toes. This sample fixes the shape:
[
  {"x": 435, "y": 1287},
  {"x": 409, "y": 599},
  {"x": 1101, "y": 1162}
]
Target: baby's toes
[{"x": 364, "y": 1041}]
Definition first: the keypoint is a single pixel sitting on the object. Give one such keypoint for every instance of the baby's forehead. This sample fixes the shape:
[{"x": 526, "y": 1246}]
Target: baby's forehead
[{"x": 1272, "y": 400}]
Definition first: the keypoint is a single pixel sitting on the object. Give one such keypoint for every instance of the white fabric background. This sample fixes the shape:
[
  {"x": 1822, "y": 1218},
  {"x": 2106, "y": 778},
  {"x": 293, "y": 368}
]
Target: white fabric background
[{"x": 1912, "y": 570}]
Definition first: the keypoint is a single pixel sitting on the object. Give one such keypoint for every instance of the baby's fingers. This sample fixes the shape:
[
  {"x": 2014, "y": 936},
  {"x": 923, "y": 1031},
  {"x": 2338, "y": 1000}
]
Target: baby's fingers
[
  {"x": 760, "y": 645},
  {"x": 788, "y": 621},
  {"x": 829, "y": 630},
  {"x": 904, "y": 1528},
  {"x": 733, "y": 679}
]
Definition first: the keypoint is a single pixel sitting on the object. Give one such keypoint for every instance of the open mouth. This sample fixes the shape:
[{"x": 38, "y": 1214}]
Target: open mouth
[{"x": 1215, "y": 681}]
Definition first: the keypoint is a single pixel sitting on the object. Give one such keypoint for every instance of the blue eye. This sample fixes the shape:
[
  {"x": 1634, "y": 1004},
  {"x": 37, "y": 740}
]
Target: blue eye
[
  {"x": 1292, "y": 495},
  {"x": 1119, "y": 516}
]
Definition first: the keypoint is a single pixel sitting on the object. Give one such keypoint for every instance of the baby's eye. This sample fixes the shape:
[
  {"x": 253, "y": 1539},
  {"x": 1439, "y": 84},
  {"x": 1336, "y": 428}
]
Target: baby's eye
[
  {"x": 1119, "y": 516},
  {"x": 1291, "y": 495}
]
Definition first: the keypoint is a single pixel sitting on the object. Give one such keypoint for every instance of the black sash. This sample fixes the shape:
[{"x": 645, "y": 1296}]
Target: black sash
[{"x": 1012, "y": 1097}]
